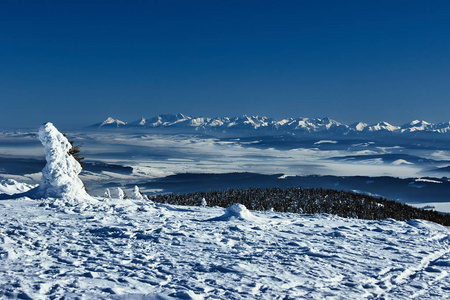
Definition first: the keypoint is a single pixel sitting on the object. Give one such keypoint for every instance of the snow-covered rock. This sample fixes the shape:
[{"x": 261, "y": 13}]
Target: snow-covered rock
[{"x": 60, "y": 174}]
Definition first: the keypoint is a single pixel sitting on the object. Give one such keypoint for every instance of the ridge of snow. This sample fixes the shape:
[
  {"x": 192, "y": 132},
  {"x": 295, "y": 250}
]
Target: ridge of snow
[
  {"x": 359, "y": 126},
  {"x": 383, "y": 126},
  {"x": 416, "y": 125}
]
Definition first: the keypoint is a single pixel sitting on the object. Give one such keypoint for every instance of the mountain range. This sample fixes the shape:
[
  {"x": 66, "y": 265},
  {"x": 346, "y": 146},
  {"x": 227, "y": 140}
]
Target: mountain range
[{"x": 247, "y": 124}]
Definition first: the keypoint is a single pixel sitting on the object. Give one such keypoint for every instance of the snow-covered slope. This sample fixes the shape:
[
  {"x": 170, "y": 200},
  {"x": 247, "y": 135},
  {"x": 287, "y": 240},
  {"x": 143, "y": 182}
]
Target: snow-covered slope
[
  {"x": 10, "y": 187},
  {"x": 110, "y": 122},
  {"x": 131, "y": 249},
  {"x": 264, "y": 125}
]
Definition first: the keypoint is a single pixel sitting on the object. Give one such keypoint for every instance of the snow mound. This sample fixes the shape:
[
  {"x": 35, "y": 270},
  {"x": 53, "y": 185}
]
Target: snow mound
[
  {"x": 11, "y": 187},
  {"x": 235, "y": 211},
  {"x": 60, "y": 174}
]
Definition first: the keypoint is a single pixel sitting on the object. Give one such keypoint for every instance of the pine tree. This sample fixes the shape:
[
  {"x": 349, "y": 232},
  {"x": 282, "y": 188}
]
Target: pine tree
[{"x": 75, "y": 152}]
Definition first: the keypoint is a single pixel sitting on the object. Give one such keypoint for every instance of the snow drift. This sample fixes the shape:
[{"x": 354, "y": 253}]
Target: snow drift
[{"x": 235, "y": 211}]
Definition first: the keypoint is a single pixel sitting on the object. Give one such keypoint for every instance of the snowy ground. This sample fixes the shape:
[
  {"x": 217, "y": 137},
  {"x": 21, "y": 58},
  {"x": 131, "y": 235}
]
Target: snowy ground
[{"x": 127, "y": 249}]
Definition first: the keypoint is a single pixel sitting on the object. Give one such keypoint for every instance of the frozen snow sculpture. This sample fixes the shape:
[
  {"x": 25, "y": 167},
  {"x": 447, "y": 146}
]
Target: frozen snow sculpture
[
  {"x": 120, "y": 193},
  {"x": 107, "y": 193},
  {"x": 60, "y": 174},
  {"x": 137, "y": 194}
]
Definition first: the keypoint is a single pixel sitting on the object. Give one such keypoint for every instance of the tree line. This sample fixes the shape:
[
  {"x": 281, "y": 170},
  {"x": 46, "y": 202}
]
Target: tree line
[{"x": 307, "y": 201}]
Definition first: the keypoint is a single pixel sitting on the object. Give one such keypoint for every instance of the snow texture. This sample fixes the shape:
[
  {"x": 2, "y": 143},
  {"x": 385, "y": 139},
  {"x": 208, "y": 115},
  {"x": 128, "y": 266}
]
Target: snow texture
[
  {"x": 60, "y": 174},
  {"x": 137, "y": 194},
  {"x": 11, "y": 187},
  {"x": 126, "y": 249},
  {"x": 120, "y": 193},
  {"x": 235, "y": 211}
]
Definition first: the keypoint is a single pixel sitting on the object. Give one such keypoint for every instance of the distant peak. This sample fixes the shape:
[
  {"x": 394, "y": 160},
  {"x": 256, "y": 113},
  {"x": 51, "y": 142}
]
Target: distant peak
[{"x": 111, "y": 122}]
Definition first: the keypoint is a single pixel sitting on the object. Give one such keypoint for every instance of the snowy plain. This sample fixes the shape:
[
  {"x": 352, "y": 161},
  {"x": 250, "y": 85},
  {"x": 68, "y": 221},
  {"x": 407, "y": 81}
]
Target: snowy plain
[{"x": 129, "y": 249}]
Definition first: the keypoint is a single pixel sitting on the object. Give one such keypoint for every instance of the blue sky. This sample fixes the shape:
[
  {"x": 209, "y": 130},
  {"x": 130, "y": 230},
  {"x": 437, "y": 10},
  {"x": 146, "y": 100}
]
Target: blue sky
[{"x": 77, "y": 62}]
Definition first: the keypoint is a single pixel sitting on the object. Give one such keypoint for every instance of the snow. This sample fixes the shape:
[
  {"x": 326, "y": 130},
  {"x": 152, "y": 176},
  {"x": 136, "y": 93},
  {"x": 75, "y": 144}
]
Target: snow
[
  {"x": 127, "y": 249},
  {"x": 235, "y": 211},
  {"x": 427, "y": 180},
  {"x": 262, "y": 123},
  {"x": 10, "y": 187},
  {"x": 401, "y": 162},
  {"x": 110, "y": 122},
  {"x": 438, "y": 206},
  {"x": 137, "y": 194},
  {"x": 325, "y": 142},
  {"x": 60, "y": 174},
  {"x": 383, "y": 126},
  {"x": 119, "y": 192}
]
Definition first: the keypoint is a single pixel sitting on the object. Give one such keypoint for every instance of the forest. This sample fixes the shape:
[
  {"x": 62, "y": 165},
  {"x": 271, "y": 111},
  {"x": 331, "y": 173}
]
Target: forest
[{"x": 307, "y": 201}]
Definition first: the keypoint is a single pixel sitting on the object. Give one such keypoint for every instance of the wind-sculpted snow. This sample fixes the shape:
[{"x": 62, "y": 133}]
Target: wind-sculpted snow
[
  {"x": 126, "y": 249},
  {"x": 60, "y": 174}
]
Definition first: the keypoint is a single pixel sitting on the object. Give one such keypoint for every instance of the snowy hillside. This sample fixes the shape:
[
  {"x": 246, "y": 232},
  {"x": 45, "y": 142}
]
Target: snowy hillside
[
  {"x": 265, "y": 125},
  {"x": 134, "y": 250}
]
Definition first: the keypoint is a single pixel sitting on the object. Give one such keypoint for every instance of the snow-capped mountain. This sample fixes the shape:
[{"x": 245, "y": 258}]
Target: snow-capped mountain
[
  {"x": 265, "y": 125},
  {"x": 417, "y": 125},
  {"x": 110, "y": 122},
  {"x": 382, "y": 126}
]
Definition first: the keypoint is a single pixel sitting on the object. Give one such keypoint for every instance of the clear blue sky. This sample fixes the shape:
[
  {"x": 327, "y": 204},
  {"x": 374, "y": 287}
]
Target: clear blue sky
[{"x": 76, "y": 62}]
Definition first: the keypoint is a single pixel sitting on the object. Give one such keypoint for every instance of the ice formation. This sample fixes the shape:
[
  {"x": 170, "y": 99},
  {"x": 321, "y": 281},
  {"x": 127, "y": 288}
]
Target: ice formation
[
  {"x": 120, "y": 193},
  {"x": 60, "y": 174},
  {"x": 137, "y": 194},
  {"x": 107, "y": 193}
]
